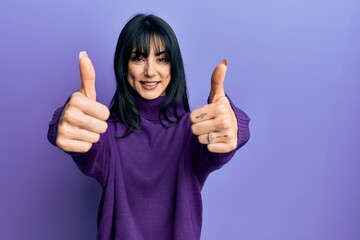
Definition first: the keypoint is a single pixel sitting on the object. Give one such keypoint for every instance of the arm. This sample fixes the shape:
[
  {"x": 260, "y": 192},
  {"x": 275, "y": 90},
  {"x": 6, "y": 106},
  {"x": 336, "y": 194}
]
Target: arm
[
  {"x": 206, "y": 161},
  {"x": 219, "y": 125},
  {"x": 94, "y": 162},
  {"x": 76, "y": 128}
]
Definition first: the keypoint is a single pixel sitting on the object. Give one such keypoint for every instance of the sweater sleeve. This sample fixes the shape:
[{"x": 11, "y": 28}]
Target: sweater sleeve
[
  {"x": 206, "y": 162},
  {"x": 93, "y": 163}
]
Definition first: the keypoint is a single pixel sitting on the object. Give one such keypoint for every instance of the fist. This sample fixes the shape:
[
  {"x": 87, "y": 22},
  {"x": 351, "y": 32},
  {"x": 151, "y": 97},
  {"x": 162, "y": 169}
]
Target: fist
[
  {"x": 83, "y": 118},
  {"x": 215, "y": 124}
]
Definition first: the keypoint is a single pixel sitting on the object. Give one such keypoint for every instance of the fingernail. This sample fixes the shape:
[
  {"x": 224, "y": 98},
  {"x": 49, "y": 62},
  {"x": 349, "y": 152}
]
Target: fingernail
[
  {"x": 83, "y": 54},
  {"x": 225, "y": 62}
]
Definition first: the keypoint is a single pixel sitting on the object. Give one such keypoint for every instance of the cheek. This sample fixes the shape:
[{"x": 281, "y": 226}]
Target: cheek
[
  {"x": 131, "y": 80},
  {"x": 134, "y": 73},
  {"x": 167, "y": 73},
  {"x": 131, "y": 76}
]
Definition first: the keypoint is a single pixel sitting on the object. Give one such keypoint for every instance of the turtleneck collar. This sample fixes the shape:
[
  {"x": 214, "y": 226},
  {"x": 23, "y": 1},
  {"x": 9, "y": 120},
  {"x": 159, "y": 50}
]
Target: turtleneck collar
[{"x": 149, "y": 109}]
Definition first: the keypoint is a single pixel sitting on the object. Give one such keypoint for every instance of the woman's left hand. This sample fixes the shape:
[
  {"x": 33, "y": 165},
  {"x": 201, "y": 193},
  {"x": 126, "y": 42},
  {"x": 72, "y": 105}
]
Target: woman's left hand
[{"x": 215, "y": 124}]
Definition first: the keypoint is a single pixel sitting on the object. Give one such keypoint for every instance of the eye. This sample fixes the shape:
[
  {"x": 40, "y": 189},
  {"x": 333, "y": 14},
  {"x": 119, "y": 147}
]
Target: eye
[
  {"x": 164, "y": 60},
  {"x": 137, "y": 59}
]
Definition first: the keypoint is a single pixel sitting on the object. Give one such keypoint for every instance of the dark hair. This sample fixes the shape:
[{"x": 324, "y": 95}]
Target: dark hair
[{"x": 138, "y": 33}]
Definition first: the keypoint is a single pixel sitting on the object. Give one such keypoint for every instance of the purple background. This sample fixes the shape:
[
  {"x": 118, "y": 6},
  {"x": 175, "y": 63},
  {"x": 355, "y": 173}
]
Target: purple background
[{"x": 294, "y": 68}]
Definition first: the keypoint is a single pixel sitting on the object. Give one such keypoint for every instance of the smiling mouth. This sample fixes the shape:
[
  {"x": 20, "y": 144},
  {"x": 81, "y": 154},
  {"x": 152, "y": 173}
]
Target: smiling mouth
[{"x": 149, "y": 85}]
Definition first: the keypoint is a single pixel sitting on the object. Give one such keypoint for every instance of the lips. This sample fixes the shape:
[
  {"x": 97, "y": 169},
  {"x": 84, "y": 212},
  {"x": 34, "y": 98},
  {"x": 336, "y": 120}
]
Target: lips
[{"x": 149, "y": 85}]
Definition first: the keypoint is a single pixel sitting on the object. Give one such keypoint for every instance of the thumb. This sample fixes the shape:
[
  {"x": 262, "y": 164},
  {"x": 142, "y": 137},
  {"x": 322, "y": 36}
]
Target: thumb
[
  {"x": 217, "y": 81},
  {"x": 87, "y": 74}
]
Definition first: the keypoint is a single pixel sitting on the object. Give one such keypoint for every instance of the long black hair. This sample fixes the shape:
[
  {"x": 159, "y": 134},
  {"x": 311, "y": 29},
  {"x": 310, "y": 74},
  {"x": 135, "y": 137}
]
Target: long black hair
[{"x": 137, "y": 34}]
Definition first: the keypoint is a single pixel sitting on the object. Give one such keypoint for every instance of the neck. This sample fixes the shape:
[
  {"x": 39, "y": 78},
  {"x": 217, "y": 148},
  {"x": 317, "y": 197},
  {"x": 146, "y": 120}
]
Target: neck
[{"x": 150, "y": 109}]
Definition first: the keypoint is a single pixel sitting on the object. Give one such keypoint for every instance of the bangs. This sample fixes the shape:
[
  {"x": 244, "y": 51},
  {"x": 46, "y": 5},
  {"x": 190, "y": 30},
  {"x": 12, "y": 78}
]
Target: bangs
[{"x": 147, "y": 39}]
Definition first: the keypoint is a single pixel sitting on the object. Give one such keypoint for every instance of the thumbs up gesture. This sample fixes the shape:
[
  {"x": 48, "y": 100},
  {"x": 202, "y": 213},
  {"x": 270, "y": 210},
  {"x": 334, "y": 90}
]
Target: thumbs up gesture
[
  {"x": 83, "y": 119},
  {"x": 215, "y": 124}
]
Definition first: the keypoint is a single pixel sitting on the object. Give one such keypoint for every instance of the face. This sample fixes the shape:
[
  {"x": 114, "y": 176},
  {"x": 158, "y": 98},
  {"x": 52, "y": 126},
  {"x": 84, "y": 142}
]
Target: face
[{"x": 149, "y": 75}]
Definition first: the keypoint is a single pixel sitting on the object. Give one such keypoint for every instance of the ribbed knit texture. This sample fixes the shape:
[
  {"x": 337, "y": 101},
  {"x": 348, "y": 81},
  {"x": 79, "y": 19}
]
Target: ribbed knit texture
[{"x": 152, "y": 179}]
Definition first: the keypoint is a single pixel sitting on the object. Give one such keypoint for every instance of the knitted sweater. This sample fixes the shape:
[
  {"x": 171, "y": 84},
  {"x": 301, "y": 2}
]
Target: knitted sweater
[{"x": 151, "y": 179}]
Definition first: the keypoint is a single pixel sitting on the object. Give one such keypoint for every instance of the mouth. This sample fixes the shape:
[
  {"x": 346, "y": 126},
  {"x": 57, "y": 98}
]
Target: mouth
[{"x": 149, "y": 85}]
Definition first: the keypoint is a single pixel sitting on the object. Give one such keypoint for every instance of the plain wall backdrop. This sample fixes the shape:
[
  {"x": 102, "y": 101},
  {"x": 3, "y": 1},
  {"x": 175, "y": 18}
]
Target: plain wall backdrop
[{"x": 294, "y": 69}]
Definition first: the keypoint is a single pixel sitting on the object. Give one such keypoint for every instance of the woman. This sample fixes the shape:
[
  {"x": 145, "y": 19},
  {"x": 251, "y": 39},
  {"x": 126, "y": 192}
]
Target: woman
[{"x": 152, "y": 156}]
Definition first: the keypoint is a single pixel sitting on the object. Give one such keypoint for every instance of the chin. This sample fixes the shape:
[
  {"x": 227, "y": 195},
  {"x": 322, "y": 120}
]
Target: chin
[{"x": 149, "y": 96}]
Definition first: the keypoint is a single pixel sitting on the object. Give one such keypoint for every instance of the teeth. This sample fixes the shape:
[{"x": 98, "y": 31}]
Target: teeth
[{"x": 149, "y": 83}]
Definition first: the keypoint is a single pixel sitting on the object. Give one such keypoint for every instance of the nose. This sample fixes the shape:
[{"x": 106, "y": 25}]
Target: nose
[{"x": 150, "y": 68}]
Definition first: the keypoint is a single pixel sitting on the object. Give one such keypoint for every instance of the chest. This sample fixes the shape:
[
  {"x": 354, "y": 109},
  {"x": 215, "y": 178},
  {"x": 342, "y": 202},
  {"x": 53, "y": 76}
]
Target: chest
[{"x": 152, "y": 154}]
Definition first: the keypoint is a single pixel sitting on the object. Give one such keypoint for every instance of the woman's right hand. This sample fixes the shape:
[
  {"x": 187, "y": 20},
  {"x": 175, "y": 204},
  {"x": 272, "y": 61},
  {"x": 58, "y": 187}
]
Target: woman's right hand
[{"x": 83, "y": 118}]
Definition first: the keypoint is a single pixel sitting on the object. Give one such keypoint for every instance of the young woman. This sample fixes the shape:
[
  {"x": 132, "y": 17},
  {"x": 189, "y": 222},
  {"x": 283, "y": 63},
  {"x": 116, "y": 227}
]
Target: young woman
[{"x": 150, "y": 154}]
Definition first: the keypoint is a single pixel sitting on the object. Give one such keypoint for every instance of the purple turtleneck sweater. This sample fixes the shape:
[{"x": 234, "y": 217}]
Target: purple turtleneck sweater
[{"x": 151, "y": 179}]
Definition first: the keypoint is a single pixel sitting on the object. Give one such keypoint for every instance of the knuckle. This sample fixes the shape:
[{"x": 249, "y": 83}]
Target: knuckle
[
  {"x": 77, "y": 100},
  {"x": 225, "y": 100},
  {"x": 74, "y": 100},
  {"x": 232, "y": 145},
  {"x": 224, "y": 123},
  {"x": 230, "y": 135},
  {"x": 74, "y": 96},
  {"x": 60, "y": 143},
  {"x": 220, "y": 109},
  {"x": 69, "y": 116},
  {"x": 73, "y": 103},
  {"x": 63, "y": 132},
  {"x": 77, "y": 95}
]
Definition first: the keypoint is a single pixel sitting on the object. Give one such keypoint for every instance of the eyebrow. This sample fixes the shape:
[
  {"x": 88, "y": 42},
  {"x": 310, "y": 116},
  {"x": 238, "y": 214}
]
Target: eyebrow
[
  {"x": 138, "y": 53},
  {"x": 156, "y": 54},
  {"x": 160, "y": 53}
]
